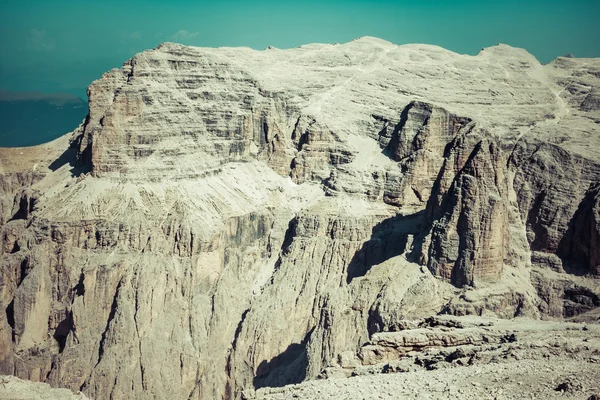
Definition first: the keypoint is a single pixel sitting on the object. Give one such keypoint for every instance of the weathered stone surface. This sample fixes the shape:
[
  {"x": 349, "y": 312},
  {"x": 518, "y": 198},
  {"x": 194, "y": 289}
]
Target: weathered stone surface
[
  {"x": 226, "y": 219},
  {"x": 387, "y": 346},
  {"x": 16, "y": 389},
  {"x": 469, "y": 228},
  {"x": 466, "y": 358},
  {"x": 580, "y": 244}
]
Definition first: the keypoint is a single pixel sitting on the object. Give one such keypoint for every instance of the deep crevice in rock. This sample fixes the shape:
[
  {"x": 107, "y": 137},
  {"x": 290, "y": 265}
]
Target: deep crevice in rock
[
  {"x": 394, "y": 140},
  {"x": 533, "y": 225},
  {"x": 10, "y": 317},
  {"x": 576, "y": 247},
  {"x": 26, "y": 205},
  {"x": 302, "y": 141},
  {"x": 374, "y": 322},
  {"x": 388, "y": 239},
  {"x": 287, "y": 368},
  {"x": 238, "y": 331},
  {"x": 290, "y": 233},
  {"x": 79, "y": 289},
  {"x": 61, "y": 333},
  {"x": 578, "y": 300},
  {"x": 111, "y": 316},
  {"x": 265, "y": 131},
  {"x": 23, "y": 270},
  {"x": 15, "y": 248}
]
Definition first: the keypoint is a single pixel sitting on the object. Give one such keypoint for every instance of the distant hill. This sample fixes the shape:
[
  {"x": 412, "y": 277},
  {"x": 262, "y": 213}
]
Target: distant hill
[{"x": 30, "y": 118}]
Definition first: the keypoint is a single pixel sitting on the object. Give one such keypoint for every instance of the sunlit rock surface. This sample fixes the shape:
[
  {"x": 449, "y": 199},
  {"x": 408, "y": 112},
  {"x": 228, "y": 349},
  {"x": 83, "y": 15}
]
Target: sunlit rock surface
[{"x": 229, "y": 219}]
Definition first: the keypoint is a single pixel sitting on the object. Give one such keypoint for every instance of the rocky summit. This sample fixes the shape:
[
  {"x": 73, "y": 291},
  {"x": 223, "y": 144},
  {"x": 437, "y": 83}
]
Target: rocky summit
[{"x": 226, "y": 222}]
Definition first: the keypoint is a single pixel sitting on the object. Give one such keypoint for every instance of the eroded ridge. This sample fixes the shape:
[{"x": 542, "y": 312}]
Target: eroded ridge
[{"x": 229, "y": 220}]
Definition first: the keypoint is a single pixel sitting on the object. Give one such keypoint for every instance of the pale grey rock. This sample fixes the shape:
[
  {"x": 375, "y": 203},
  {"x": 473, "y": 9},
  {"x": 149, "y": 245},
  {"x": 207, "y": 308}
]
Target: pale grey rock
[
  {"x": 12, "y": 388},
  {"x": 229, "y": 219},
  {"x": 466, "y": 358}
]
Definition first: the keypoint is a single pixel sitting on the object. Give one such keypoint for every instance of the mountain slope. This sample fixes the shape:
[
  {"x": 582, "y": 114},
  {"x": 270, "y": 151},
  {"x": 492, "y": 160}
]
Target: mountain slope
[{"x": 227, "y": 219}]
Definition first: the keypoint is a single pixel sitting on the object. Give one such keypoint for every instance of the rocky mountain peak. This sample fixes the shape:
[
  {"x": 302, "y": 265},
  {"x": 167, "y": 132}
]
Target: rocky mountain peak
[{"x": 253, "y": 218}]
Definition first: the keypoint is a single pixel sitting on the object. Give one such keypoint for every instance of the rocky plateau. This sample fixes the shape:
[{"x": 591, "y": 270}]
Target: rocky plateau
[{"x": 361, "y": 220}]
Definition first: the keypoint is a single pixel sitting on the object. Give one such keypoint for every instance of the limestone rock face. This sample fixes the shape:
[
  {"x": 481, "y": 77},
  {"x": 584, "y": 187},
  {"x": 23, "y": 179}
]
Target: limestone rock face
[
  {"x": 466, "y": 358},
  {"x": 581, "y": 242},
  {"x": 468, "y": 219},
  {"x": 226, "y": 220}
]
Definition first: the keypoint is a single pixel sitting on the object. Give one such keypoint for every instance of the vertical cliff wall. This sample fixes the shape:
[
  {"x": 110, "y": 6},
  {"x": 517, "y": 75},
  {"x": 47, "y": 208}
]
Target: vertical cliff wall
[{"x": 227, "y": 219}]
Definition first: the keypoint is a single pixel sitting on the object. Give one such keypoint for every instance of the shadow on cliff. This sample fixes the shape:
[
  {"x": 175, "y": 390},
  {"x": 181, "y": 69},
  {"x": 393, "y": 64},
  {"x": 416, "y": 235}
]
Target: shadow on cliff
[
  {"x": 287, "y": 368},
  {"x": 391, "y": 148},
  {"x": 389, "y": 238},
  {"x": 576, "y": 246},
  {"x": 71, "y": 157}
]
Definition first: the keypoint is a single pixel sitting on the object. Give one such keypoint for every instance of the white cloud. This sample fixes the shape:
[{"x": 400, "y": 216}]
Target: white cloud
[
  {"x": 128, "y": 37},
  {"x": 184, "y": 35},
  {"x": 39, "y": 40}
]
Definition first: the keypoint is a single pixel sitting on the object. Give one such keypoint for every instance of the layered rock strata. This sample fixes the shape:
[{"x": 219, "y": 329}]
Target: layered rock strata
[
  {"x": 466, "y": 358},
  {"x": 228, "y": 219}
]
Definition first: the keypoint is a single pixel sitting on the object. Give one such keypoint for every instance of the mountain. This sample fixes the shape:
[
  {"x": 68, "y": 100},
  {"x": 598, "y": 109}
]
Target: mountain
[
  {"x": 28, "y": 119},
  {"x": 227, "y": 220}
]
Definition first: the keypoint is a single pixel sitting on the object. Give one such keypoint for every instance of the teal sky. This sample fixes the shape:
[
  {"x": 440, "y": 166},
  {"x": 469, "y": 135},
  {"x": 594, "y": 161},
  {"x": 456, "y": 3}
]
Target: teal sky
[{"x": 62, "y": 45}]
